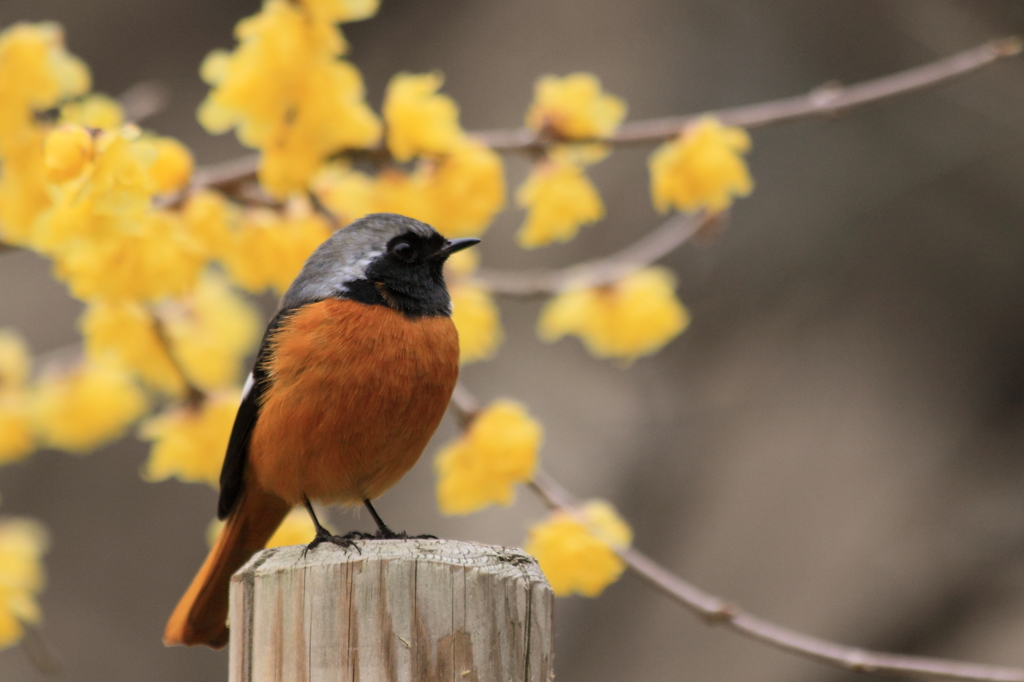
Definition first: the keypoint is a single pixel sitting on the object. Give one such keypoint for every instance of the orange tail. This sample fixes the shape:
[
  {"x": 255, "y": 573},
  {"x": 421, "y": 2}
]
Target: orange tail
[{"x": 201, "y": 615}]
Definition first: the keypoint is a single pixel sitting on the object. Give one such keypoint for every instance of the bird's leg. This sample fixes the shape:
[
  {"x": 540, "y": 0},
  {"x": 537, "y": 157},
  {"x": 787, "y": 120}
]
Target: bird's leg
[
  {"x": 385, "y": 533},
  {"x": 324, "y": 535}
]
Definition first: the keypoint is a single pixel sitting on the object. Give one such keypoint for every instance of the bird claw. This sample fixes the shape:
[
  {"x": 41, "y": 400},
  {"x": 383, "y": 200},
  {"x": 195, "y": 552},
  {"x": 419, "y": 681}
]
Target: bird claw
[{"x": 346, "y": 540}]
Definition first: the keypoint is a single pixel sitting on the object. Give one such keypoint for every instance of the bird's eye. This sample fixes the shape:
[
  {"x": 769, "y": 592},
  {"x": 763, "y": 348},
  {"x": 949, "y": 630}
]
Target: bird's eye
[{"x": 404, "y": 251}]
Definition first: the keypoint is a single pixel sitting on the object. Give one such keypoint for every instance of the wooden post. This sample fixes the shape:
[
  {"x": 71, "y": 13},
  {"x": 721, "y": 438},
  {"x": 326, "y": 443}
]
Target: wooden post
[{"x": 413, "y": 610}]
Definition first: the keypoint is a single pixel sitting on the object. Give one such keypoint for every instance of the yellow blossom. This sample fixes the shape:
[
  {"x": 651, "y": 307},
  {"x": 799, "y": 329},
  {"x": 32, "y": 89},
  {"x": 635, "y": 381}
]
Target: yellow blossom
[
  {"x": 15, "y": 361},
  {"x": 477, "y": 320},
  {"x": 109, "y": 200},
  {"x": 635, "y": 316},
  {"x": 22, "y": 545},
  {"x": 467, "y": 189},
  {"x": 287, "y": 93},
  {"x": 576, "y": 551},
  {"x": 23, "y": 189},
  {"x": 347, "y": 193},
  {"x": 211, "y": 330},
  {"x": 173, "y": 165},
  {"x": 17, "y": 440},
  {"x": 127, "y": 332},
  {"x": 341, "y": 11},
  {"x": 296, "y": 529},
  {"x": 189, "y": 442},
  {"x": 210, "y": 219},
  {"x": 407, "y": 194},
  {"x": 268, "y": 250},
  {"x": 419, "y": 120},
  {"x": 82, "y": 409},
  {"x": 159, "y": 259},
  {"x": 35, "y": 73},
  {"x": 559, "y": 198},
  {"x": 575, "y": 107},
  {"x": 93, "y": 111},
  {"x": 701, "y": 169},
  {"x": 497, "y": 451},
  {"x": 66, "y": 151}
]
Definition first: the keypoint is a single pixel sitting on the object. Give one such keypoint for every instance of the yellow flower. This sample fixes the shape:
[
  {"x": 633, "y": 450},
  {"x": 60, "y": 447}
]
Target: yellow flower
[
  {"x": 347, "y": 193},
  {"x": 35, "y": 73},
  {"x": 66, "y": 151},
  {"x": 419, "y": 120},
  {"x": 498, "y": 450},
  {"x": 575, "y": 107},
  {"x": 211, "y": 330},
  {"x": 559, "y": 198},
  {"x": 296, "y": 529},
  {"x": 635, "y": 316},
  {"x": 467, "y": 188},
  {"x": 268, "y": 250},
  {"x": 110, "y": 199},
  {"x": 477, "y": 320},
  {"x": 189, "y": 442},
  {"x": 86, "y": 407},
  {"x": 15, "y": 360},
  {"x": 341, "y": 11},
  {"x": 23, "y": 189},
  {"x": 127, "y": 332},
  {"x": 576, "y": 551},
  {"x": 210, "y": 219},
  {"x": 407, "y": 194},
  {"x": 173, "y": 165},
  {"x": 287, "y": 93},
  {"x": 17, "y": 440},
  {"x": 701, "y": 169},
  {"x": 93, "y": 111},
  {"x": 160, "y": 259},
  {"x": 22, "y": 545}
]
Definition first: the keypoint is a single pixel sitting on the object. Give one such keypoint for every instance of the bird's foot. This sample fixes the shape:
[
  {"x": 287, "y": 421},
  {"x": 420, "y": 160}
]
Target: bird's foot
[
  {"x": 388, "y": 534},
  {"x": 347, "y": 540}
]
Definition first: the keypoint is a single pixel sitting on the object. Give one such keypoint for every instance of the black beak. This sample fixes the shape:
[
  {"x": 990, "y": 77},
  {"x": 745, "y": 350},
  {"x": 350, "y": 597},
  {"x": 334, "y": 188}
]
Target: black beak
[{"x": 453, "y": 245}]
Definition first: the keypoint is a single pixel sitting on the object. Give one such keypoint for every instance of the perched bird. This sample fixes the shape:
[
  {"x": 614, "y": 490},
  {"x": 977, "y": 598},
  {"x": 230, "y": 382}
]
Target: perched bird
[{"x": 352, "y": 378}]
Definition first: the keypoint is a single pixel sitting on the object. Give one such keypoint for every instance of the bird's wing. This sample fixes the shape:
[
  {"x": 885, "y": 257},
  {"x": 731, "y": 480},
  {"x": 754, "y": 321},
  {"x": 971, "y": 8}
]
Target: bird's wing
[{"x": 232, "y": 474}]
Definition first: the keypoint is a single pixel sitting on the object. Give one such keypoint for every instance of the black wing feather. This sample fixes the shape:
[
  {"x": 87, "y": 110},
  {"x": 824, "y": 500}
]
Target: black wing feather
[{"x": 232, "y": 474}]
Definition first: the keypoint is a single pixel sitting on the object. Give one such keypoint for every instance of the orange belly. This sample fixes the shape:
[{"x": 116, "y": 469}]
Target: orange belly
[{"x": 357, "y": 391}]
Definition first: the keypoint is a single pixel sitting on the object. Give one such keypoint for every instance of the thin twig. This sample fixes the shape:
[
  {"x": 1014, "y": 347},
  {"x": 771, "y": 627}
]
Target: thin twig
[
  {"x": 194, "y": 396},
  {"x": 825, "y": 101},
  {"x": 717, "y": 611},
  {"x": 673, "y": 233}
]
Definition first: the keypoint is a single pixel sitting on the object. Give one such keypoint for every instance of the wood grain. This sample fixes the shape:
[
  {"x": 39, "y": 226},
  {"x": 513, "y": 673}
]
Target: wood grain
[{"x": 420, "y": 610}]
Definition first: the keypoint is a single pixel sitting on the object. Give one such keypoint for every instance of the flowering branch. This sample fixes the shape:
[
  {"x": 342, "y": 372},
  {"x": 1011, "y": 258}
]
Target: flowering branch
[
  {"x": 716, "y": 611},
  {"x": 828, "y": 100},
  {"x": 672, "y": 234}
]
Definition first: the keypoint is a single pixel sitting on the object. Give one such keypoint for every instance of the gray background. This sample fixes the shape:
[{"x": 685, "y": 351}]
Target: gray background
[{"x": 835, "y": 444}]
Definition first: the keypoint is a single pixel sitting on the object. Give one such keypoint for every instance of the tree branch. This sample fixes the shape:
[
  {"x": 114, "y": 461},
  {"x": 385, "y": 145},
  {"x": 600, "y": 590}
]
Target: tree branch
[
  {"x": 716, "y": 611},
  {"x": 673, "y": 233},
  {"x": 824, "y": 101}
]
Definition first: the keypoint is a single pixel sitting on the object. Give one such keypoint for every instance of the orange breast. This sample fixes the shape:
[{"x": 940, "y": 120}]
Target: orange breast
[{"x": 357, "y": 392}]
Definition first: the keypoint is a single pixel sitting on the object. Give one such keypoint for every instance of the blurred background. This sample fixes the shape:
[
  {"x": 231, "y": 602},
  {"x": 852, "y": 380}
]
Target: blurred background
[{"x": 835, "y": 443}]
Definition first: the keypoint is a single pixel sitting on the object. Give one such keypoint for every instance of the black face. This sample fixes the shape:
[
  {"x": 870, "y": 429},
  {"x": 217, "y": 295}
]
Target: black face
[{"x": 409, "y": 277}]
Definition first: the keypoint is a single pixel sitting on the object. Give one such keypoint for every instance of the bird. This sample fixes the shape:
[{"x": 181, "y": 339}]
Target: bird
[{"x": 351, "y": 380}]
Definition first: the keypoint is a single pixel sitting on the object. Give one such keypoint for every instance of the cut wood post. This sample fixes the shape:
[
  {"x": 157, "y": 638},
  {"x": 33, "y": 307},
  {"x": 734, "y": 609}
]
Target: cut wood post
[{"x": 412, "y": 610}]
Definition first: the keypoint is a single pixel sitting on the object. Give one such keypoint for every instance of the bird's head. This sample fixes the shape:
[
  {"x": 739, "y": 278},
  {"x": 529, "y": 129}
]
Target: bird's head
[{"x": 380, "y": 259}]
